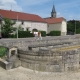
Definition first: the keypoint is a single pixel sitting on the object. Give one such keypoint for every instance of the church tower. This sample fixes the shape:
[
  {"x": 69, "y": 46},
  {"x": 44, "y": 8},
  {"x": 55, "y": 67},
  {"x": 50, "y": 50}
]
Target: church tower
[{"x": 53, "y": 13}]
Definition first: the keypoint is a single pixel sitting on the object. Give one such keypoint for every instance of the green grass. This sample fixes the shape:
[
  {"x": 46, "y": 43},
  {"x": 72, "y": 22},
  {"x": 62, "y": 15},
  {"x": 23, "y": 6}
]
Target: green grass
[{"x": 2, "y": 51}]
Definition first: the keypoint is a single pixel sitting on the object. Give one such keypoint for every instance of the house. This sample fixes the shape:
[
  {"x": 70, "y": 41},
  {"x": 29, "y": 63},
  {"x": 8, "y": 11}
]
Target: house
[
  {"x": 56, "y": 24},
  {"x": 26, "y": 20},
  {"x": 33, "y": 21}
]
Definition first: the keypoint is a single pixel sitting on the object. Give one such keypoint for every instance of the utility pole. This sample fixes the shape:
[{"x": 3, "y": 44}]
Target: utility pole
[
  {"x": 75, "y": 26},
  {"x": 17, "y": 25}
]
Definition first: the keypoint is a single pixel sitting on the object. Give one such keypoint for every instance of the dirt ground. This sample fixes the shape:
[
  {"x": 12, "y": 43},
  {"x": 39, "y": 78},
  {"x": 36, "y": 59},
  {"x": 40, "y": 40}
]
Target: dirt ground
[{"x": 21, "y": 73}]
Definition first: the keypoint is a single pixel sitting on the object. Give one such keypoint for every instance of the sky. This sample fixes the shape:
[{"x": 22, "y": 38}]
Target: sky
[{"x": 69, "y": 9}]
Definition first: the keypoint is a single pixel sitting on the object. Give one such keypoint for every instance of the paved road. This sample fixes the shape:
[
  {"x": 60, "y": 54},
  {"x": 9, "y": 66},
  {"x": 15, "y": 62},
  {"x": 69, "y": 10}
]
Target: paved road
[
  {"x": 30, "y": 39},
  {"x": 33, "y": 39}
]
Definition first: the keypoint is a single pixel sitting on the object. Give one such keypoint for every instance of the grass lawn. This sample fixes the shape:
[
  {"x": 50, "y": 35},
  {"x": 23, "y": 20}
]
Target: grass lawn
[{"x": 2, "y": 51}]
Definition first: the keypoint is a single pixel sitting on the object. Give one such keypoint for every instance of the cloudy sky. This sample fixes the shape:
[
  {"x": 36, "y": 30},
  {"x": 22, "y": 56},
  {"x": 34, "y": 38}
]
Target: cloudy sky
[{"x": 69, "y": 9}]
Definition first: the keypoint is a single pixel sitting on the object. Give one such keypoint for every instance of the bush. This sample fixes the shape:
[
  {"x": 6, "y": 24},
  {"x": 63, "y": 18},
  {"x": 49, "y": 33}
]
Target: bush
[
  {"x": 24, "y": 34},
  {"x": 77, "y": 31},
  {"x": 21, "y": 34},
  {"x": 43, "y": 33},
  {"x": 3, "y": 51},
  {"x": 55, "y": 33},
  {"x": 12, "y": 36}
]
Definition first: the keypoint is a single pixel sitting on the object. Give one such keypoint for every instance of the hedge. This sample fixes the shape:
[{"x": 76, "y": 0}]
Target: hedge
[
  {"x": 22, "y": 34},
  {"x": 55, "y": 33},
  {"x": 12, "y": 36},
  {"x": 43, "y": 33},
  {"x": 77, "y": 31}
]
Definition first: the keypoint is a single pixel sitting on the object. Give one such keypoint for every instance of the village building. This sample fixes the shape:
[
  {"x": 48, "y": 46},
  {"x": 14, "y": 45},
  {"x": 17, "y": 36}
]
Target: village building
[
  {"x": 56, "y": 24},
  {"x": 28, "y": 22}
]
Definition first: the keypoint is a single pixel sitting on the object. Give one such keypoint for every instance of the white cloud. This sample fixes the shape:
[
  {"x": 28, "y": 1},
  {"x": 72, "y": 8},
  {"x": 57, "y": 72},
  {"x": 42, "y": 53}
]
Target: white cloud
[
  {"x": 59, "y": 14},
  {"x": 10, "y": 4}
]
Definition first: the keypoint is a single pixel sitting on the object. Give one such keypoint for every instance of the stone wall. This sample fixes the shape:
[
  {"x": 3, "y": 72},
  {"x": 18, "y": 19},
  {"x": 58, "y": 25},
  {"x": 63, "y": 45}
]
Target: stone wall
[
  {"x": 51, "y": 55},
  {"x": 46, "y": 60}
]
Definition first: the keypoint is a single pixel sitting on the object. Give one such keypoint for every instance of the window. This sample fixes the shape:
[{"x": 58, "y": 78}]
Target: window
[
  {"x": 27, "y": 29},
  {"x": 22, "y": 22}
]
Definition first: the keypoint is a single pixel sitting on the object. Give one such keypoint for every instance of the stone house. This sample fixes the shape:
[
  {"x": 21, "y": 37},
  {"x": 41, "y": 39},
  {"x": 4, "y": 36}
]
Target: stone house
[
  {"x": 26, "y": 20},
  {"x": 33, "y": 21}
]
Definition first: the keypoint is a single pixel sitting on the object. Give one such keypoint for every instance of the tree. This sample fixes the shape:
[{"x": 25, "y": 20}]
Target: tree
[
  {"x": 71, "y": 25},
  {"x": 7, "y": 27}
]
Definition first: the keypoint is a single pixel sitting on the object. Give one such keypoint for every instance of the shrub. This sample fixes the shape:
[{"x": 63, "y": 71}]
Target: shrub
[
  {"x": 12, "y": 36},
  {"x": 21, "y": 34},
  {"x": 77, "y": 31},
  {"x": 24, "y": 34},
  {"x": 3, "y": 51},
  {"x": 43, "y": 33},
  {"x": 55, "y": 33}
]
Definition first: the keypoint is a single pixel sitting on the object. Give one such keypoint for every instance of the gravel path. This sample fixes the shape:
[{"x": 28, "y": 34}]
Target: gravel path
[{"x": 27, "y": 74}]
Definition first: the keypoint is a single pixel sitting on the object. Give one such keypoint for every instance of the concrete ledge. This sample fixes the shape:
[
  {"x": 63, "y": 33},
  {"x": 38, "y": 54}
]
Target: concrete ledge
[{"x": 6, "y": 65}]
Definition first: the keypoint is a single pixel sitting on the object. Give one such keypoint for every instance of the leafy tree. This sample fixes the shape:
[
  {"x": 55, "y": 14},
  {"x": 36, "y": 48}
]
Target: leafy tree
[
  {"x": 7, "y": 27},
  {"x": 71, "y": 26}
]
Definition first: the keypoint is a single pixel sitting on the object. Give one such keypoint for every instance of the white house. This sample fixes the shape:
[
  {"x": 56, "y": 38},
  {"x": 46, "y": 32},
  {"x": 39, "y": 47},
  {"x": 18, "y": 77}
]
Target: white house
[
  {"x": 33, "y": 21},
  {"x": 26, "y": 20},
  {"x": 57, "y": 24}
]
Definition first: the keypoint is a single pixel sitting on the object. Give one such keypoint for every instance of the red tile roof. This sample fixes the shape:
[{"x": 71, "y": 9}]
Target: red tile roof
[
  {"x": 54, "y": 20},
  {"x": 21, "y": 16}
]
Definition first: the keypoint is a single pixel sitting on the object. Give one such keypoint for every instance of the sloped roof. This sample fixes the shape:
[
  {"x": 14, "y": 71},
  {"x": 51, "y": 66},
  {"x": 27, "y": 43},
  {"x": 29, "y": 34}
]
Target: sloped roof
[
  {"x": 54, "y": 20},
  {"x": 21, "y": 16}
]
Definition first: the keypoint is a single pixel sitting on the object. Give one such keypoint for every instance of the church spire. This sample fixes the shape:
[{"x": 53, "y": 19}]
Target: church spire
[
  {"x": 53, "y": 9},
  {"x": 53, "y": 13}
]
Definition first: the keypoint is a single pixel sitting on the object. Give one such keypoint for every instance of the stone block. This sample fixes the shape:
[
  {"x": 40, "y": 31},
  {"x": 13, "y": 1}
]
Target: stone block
[{"x": 6, "y": 65}]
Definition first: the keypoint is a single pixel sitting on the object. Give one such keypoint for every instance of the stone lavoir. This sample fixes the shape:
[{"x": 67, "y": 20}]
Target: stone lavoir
[{"x": 51, "y": 55}]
